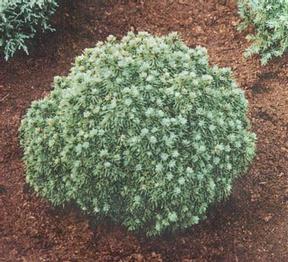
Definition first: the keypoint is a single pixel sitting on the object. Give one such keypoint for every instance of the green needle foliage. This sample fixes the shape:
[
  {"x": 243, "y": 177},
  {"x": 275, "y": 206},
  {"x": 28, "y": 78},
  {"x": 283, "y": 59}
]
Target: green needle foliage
[
  {"x": 270, "y": 19},
  {"x": 143, "y": 131},
  {"x": 20, "y": 20}
]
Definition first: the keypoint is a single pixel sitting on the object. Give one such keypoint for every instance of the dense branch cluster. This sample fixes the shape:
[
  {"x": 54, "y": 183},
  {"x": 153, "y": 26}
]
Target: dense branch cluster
[
  {"x": 20, "y": 20},
  {"x": 142, "y": 131},
  {"x": 270, "y": 19}
]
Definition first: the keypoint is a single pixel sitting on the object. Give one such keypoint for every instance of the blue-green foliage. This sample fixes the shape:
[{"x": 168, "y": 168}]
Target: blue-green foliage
[
  {"x": 270, "y": 19},
  {"x": 143, "y": 131},
  {"x": 20, "y": 20}
]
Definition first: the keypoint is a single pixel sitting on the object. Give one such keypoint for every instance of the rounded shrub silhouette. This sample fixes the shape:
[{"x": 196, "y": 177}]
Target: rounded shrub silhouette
[{"x": 142, "y": 131}]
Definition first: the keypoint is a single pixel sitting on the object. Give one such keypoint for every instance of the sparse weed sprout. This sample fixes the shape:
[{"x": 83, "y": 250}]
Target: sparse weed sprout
[
  {"x": 270, "y": 19},
  {"x": 20, "y": 20},
  {"x": 143, "y": 131}
]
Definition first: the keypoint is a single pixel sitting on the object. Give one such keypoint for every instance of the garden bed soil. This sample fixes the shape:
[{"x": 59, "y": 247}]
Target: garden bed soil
[{"x": 250, "y": 226}]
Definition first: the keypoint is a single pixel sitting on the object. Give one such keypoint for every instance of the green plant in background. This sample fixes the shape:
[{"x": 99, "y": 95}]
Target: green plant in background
[
  {"x": 270, "y": 19},
  {"x": 143, "y": 131},
  {"x": 20, "y": 20}
]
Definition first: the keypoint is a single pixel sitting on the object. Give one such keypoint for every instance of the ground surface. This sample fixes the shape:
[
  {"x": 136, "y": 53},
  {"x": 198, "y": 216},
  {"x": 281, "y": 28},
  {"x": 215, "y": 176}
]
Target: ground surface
[{"x": 251, "y": 226}]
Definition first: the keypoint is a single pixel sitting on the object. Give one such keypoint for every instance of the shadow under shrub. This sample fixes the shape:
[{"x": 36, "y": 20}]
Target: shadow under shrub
[{"x": 142, "y": 131}]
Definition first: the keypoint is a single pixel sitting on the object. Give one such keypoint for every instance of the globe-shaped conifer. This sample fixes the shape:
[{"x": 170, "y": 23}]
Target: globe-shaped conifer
[{"x": 142, "y": 131}]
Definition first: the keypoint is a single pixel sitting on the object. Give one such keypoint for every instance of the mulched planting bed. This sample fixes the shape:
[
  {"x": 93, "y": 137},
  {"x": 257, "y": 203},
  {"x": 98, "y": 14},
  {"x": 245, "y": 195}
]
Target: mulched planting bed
[{"x": 251, "y": 226}]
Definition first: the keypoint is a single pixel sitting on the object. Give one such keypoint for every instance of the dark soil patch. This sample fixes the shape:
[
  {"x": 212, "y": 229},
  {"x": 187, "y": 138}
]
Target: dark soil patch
[{"x": 250, "y": 226}]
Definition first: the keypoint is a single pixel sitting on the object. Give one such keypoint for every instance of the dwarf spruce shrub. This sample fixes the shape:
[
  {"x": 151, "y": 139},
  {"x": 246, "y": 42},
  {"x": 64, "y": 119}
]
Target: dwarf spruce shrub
[
  {"x": 20, "y": 20},
  {"x": 270, "y": 19},
  {"x": 142, "y": 131}
]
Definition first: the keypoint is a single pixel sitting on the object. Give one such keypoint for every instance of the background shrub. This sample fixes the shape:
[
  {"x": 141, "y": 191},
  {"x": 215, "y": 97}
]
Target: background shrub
[
  {"x": 20, "y": 20},
  {"x": 270, "y": 19},
  {"x": 143, "y": 131}
]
